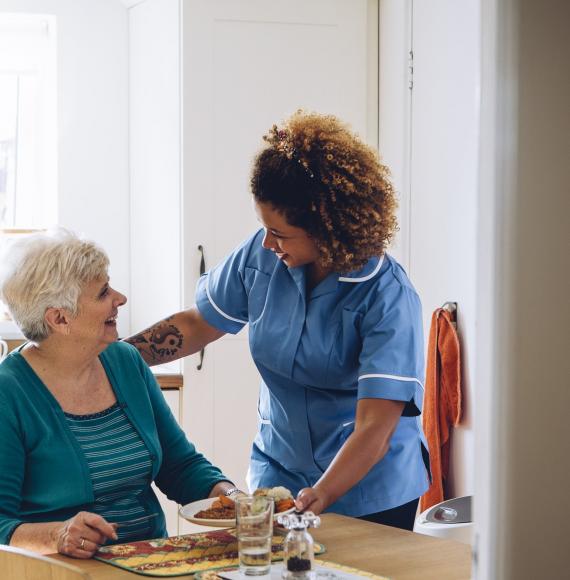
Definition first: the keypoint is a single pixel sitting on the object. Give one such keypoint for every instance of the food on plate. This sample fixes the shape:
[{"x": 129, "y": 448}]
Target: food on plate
[
  {"x": 277, "y": 493},
  {"x": 281, "y": 495},
  {"x": 283, "y": 505},
  {"x": 223, "y": 508}
]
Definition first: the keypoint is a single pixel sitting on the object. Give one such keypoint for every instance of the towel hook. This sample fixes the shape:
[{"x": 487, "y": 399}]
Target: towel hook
[{"x": 451, "y": 307}]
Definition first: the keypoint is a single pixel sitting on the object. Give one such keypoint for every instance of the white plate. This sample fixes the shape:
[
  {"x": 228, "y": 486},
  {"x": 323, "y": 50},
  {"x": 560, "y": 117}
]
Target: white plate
[{"x": 189, "y": 510}]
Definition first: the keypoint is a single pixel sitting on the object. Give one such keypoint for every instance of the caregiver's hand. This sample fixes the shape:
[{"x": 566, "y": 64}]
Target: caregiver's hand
[
  {"x": 83, "y": 534},
  {"x": 312, "y": 499}
]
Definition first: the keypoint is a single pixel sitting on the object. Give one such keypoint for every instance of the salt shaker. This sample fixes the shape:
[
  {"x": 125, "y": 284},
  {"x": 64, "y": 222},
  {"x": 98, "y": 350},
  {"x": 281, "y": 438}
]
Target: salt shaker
[{"x": 299, "y": 545}]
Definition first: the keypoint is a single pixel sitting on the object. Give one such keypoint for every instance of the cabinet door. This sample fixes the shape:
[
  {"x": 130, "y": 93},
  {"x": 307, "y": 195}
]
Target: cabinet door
[
  {"x": 246, "y": 65},
  {"x": 169, "y": 507}
]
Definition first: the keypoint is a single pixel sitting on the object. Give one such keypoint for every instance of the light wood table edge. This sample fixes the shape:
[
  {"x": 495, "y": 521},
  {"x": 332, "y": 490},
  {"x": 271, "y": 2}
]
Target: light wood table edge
[
  {"x": 396, "y": 554},
  {"x": 38, "y": 564},
  {"x": 170, "y": 382},
  {"x": 391, "y": 552}
]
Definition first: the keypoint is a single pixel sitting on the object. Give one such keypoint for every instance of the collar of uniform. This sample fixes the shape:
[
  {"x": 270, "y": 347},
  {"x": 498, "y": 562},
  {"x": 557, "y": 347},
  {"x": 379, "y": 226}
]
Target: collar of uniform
[
  {"x": 328, "y": 284},
  {"x": 325, "y": 286},
  {"x": 368, "y": 271},
  {"x": 298, "y": 275}
]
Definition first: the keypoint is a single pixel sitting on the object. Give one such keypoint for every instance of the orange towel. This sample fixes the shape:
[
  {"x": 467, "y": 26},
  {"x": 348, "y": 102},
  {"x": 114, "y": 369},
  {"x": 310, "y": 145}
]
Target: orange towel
[{"x": 442, "y": 400}]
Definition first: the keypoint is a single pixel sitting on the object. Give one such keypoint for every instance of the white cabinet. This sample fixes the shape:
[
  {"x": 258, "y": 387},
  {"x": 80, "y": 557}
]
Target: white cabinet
[
  {"x": 169, "y": 507},
  {"x": 249, "y": 64},
  {"x": 154, "y": 143},
  {"x": 208, "y": 79}
]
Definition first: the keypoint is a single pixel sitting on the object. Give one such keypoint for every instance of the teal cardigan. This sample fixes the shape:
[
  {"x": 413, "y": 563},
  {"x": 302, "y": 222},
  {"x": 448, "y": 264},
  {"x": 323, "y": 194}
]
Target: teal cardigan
[{"x": 43, "y": 473}]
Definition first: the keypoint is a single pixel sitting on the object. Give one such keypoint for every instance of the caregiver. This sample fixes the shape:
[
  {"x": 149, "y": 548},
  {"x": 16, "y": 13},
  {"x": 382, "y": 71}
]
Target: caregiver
[{"x": 334, "y": 327}]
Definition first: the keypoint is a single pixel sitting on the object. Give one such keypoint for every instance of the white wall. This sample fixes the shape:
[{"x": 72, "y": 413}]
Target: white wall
[
  {"x": 155, "y": 162},
  {"x": 93, "y": 179},
  {"x": 395, "y": 39},
  {"x": 444, "y": 166},
  {"x": 429, "y": 138}
]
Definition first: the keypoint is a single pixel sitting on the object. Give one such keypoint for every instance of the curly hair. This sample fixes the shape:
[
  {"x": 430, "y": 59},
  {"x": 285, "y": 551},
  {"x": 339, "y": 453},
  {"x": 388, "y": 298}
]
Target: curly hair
[{"x": 324, "y": 179}]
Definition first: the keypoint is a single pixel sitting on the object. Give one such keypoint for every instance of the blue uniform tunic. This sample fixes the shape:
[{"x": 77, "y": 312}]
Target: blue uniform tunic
[{"x": 354, "y": 336}]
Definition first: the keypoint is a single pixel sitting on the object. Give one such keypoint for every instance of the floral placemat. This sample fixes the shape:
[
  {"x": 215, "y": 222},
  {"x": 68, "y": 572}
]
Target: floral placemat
[
  {"x": 323, "y": 570},
  {"x": 181, "y": 555}
]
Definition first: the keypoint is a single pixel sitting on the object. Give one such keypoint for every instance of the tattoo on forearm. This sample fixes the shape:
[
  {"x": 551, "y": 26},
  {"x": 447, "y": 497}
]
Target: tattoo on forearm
[
  {"x": 137, "y": 339},
  {"x": 159, "y": 343},
  {"x": 165, "y": 340}
]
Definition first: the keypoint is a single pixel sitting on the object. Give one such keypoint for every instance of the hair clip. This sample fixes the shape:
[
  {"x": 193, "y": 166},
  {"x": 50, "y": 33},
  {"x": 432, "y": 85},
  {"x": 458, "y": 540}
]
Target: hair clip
[
  {"x": 283, "y": 144},
  {"x": 303, "y": 164}
]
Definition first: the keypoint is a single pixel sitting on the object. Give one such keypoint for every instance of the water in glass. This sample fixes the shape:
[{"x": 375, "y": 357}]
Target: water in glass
[{"x": 254, "y": 522}]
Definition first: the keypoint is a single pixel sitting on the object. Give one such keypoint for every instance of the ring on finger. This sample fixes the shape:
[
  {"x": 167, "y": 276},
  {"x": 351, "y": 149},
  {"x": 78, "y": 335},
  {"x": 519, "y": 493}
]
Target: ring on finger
[{"x": 82, "y": 544}]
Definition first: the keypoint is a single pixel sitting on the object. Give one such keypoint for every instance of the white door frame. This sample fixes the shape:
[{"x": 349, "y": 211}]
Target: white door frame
[
  {"x": 497, "y": 167},
  {"x": 522, "y": 501}
]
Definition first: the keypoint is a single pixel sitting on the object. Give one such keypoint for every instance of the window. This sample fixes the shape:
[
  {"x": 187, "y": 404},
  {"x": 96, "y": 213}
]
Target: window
[
  {"x": 28, "y": 129},
  {"x": 28, "y": 121}
]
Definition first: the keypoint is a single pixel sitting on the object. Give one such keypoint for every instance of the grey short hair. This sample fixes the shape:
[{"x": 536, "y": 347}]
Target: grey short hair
[{"x": 47, "y": 270}]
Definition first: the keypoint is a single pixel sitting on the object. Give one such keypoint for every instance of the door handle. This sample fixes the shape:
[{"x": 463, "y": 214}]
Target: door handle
[
  {"x": 202, "y": 269},
  {"x": 202, "y": 260}
]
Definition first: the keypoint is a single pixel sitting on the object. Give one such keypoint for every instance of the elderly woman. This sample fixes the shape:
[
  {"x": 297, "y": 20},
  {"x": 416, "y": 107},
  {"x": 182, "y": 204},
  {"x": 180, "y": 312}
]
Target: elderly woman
[
  {"x": 334, "y": 327},
  {"x": 84, "y": 428}
]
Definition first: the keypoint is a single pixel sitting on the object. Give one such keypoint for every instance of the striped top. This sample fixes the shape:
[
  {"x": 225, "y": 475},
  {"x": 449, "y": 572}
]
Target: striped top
[{"x": 120, "y": 467}]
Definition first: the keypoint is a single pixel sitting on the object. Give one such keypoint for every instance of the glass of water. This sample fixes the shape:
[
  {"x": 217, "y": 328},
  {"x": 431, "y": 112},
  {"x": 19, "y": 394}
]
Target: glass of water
[{"x": 254, "y": 520}]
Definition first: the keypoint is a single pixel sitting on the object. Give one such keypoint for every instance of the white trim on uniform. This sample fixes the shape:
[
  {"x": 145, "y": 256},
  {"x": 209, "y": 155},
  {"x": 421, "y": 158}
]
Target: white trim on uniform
[
  {"x": 394, "y": 377},
  {"x": 364, "y": 278},
  {"x": 265, "y": 421},
  {"x": 217, "y": 308}
]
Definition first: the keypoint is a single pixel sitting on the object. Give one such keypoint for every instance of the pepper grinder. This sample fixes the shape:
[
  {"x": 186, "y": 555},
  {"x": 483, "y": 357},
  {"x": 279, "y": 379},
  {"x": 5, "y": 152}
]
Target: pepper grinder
[{"x": 299, "y": 545}]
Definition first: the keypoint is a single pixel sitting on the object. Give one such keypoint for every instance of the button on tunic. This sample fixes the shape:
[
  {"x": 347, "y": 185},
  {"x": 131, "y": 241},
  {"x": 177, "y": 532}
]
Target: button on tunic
[{"x": 353, "y": 336}]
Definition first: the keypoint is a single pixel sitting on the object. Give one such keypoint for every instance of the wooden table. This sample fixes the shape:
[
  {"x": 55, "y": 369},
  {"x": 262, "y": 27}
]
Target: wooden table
[{"x": 398, "y": 554}]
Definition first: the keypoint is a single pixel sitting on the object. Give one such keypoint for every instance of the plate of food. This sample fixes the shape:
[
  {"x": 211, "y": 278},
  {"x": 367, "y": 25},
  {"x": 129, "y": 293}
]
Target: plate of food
[{"x": 220, "y": 511}]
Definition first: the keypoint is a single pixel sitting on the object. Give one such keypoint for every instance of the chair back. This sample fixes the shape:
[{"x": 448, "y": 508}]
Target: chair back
[{"x": 19, "y": 564}]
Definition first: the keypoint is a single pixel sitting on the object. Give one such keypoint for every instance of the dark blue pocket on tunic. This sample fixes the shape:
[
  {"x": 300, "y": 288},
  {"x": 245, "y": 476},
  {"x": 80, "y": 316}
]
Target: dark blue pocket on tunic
[
  {"x": 333, "y": 446},
  {"x": 342, "y": 368}
]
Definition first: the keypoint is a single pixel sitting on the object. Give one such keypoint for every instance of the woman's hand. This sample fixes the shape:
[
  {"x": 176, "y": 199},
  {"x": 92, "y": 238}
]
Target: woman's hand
[
  {"x": 83, "y": 534},
  {"x": 312, "y": 499}
]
